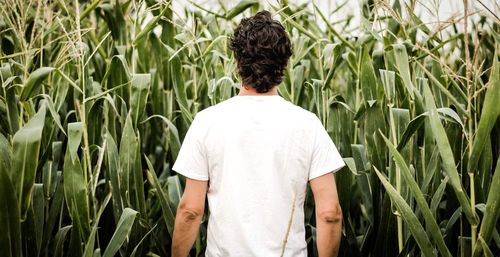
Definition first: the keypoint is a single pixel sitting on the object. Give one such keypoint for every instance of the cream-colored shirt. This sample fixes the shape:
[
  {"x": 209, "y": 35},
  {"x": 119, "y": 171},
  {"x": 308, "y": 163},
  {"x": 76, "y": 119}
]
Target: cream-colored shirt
[{"x": 258, "y": 153}]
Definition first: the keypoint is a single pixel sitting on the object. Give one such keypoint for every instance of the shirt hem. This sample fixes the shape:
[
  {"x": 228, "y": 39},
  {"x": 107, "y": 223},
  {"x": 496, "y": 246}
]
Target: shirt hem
[
  {"x": 331, "y": 169},
  {"x": 191, "y": 175}
]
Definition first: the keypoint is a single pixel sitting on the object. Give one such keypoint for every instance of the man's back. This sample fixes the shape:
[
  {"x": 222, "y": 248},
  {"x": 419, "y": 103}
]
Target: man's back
[
  {"x": 252, "y": 156},
  {"x": 258, "y": 153}
]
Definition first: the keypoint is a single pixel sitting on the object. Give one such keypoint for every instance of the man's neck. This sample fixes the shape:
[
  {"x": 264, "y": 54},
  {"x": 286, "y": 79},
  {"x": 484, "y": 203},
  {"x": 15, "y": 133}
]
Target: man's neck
[{"x": 248, "y": 90}]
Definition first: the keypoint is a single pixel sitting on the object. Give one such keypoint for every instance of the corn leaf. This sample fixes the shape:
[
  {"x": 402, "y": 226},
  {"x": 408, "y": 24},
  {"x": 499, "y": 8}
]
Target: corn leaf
[
  {"x": 34, "y": 81},
  {"x": 174, "y": 140},
  {"x": 489, "y": 114},
  {"x": 174, "y": 190},
  {"x": 368, "y": 81},
  {"x": 167, "y": 210},
  {"x": 38, "y": 207},
  {"x": 59, "y": 240},
  {"x": 26, "y": 146},
  {"x": 180, "y": 90},
  {"x": 89, "y": 246},
  {"x": 419, "y": 198},
  {"x": 122, "y": 231},
  {"x": 439, "y": 134},
  {"x": 10, "y": 237},
  {"x": 151, "y": 25},
  {"x": 401, "y": 58},
  {"x": 409, "y": 217},
  {"x": 54, "y": 210},
  {"x": 127, "y": 155},
  {"x": 5, "y": 153},
  {"x": 442, "y": 88},
  {"x": 139, "y": 95},
  {"x": 239, "y": 8},
  {"x": 491, "y": 212},
  {"x": 113, "y": 175},
  {"x": 10, "y": 97},
  {"x": 75, "y": 184}
]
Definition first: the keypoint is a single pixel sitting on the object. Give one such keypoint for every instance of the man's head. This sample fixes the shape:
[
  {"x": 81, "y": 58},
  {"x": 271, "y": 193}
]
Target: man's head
[{"x": 262, "y": 49}]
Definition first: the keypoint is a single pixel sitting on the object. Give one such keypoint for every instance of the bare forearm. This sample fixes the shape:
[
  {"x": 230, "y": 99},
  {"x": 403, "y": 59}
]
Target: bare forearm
[
  {"x": 328, "y": 233},
  {"x": 186, "y": 228}
]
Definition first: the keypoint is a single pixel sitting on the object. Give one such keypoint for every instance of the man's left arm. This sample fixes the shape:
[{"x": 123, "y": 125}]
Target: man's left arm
[{"x": 188, "y": 218}]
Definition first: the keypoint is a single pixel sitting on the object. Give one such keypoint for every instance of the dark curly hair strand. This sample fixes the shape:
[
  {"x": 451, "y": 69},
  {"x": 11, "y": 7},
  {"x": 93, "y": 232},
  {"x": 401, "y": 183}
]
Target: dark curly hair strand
[{"x": 262, "y": 48}]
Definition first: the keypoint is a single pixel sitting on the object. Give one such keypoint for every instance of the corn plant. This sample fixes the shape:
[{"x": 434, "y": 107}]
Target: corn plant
[{"x": 97, "y": 96}]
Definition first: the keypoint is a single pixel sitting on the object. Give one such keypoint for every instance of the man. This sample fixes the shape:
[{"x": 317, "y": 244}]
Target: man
[{"x": 252, "y": 156}]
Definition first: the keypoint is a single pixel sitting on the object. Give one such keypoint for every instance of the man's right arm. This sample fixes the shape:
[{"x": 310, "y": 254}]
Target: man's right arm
[
  {"x": 189, "y": 215},
  {"x": 328, "y": 215}
]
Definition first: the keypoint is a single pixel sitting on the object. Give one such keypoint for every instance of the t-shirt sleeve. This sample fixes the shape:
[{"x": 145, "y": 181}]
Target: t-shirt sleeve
[
  {"x": 325, "y": 157},
  {"x": 191, "y": 160}
]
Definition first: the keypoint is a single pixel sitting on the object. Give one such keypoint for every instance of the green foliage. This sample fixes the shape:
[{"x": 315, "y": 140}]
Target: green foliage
[{"x": 96, "y": 97}]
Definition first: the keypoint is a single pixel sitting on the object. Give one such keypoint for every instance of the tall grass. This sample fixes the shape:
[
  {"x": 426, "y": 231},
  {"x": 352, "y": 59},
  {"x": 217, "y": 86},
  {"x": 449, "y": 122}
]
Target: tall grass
[{"x": 97, "y": 96}]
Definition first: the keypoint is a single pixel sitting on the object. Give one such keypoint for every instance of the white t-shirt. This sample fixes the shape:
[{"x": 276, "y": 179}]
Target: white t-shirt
[{"x": 258, "y": 153}]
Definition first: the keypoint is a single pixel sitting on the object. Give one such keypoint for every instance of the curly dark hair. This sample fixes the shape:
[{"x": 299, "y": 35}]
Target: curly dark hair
[{"x": 262, "y": 49}]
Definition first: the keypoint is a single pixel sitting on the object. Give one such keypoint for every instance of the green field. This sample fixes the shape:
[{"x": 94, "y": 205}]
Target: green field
[{"x": 97, "y": 96}]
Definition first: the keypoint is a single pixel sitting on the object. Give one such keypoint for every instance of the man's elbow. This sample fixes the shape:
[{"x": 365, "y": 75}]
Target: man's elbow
[
  {"x": 331, "y": 215},
  {"x": 189, "y": 214}
]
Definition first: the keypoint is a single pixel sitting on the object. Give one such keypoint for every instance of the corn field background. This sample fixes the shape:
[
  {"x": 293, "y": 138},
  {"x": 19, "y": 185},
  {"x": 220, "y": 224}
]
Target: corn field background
[{"x": 97, "y": 96}]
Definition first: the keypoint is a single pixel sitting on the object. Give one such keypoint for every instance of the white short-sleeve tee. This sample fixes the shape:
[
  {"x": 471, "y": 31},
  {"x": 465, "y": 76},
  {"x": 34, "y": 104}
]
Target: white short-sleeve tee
[{"x": 258, "y": 153}]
